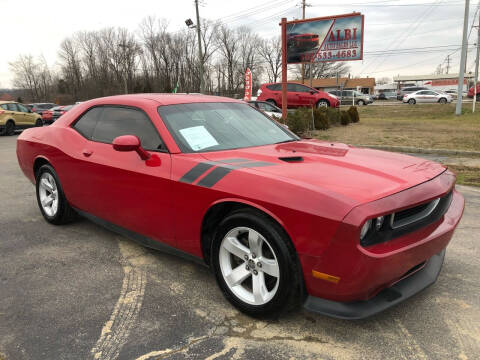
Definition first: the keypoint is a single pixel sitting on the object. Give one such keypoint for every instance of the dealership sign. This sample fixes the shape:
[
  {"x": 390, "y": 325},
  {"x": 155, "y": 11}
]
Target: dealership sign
[
  {"x": 248, "y": 85},
  {"x": 336, "y": 38}
]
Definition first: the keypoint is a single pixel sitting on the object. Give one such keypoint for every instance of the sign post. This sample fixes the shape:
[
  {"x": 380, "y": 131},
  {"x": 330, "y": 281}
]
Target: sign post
[{"x": 284, "y": 69}]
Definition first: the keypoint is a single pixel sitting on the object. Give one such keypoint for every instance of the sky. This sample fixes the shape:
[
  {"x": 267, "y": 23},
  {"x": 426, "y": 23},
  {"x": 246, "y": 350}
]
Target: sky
[{"x": 391, "y": 26}]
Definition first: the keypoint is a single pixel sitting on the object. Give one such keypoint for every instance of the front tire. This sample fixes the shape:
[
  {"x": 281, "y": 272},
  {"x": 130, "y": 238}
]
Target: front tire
[
  {"x": 360, "y": 102},
  {"x": 255, "y": 263},
  {"x": 39, "y": 123},
  {"x": 51, "y": 198},
  {"x": 10, "y": 128},
  {"x": 323, "y": 103}
]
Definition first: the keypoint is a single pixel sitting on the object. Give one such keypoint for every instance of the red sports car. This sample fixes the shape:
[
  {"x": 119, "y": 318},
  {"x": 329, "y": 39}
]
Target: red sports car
[{"x": 347, "y": 231}]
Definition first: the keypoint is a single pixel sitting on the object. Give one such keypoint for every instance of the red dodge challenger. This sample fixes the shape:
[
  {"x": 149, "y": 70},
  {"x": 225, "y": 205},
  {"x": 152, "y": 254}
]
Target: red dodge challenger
[{"x": 347, "y": 231}]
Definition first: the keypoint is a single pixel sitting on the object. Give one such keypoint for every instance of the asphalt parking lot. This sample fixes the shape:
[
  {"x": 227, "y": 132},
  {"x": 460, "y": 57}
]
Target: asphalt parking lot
[{"x": 79, "y": 292}]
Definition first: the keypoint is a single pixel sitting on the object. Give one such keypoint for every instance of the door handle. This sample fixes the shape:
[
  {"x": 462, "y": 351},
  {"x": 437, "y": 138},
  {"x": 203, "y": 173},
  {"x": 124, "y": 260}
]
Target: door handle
[{"x": 87, "y": 152}]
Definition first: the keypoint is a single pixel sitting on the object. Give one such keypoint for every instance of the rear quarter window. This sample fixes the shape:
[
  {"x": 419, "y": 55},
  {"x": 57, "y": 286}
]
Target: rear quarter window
[
  {"x": 88, "y": 121},
  {"x": 275, "y": 87}
]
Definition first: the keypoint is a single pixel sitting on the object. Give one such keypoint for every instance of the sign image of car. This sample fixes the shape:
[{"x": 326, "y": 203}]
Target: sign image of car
[
  {"x": 346, "y": 231},
  {"x": 302, "y": 42},
  {"x": 427, "y": 96}
]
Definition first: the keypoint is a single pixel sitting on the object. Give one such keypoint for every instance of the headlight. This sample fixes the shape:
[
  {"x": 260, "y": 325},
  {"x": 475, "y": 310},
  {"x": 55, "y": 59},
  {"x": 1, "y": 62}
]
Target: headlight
[{"x": 365, "y": 228}]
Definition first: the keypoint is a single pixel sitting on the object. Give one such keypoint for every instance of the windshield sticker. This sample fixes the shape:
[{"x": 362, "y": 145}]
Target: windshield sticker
[{"x": 198, "y": 137}]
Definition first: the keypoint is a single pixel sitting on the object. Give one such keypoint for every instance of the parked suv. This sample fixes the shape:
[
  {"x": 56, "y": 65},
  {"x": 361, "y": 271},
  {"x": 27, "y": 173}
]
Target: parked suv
[
  {"x": 471, "y": 92},
  {"x": 17, "y": 116},
  {"x": 408, "y": 90},
  {"x": 347, "y": 97},
  {"x": 297, "y": 95}
]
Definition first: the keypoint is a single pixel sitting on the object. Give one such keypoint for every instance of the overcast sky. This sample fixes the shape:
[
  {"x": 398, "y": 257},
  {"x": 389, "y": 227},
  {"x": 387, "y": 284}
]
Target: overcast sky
[{"x": 37, "y": 27}]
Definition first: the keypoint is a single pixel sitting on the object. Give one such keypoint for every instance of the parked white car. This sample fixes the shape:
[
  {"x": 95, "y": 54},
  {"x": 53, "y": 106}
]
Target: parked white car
[
  {"x": 267, "y": 108},
  {"x": 427, "y": 96}
]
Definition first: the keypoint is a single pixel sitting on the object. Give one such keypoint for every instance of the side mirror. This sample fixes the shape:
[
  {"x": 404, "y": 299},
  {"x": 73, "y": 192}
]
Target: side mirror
[
  {"x": 130, "y": 143},
  {"x": 312, "y": 92}
]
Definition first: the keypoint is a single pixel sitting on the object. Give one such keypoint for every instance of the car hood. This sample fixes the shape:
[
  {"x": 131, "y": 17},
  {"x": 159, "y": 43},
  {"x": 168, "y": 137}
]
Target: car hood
[{"x": 360, "y": 174}]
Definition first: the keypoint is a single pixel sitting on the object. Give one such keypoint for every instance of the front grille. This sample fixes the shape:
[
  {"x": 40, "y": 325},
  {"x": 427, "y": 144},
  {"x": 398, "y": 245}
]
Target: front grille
[{"x": 408, "y": 220}]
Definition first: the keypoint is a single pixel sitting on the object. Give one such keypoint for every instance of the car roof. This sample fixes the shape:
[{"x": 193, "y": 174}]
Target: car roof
[{"x": 171, "y": 99}]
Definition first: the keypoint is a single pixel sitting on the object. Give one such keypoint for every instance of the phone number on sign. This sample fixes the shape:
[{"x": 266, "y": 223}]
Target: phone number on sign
[{"x": 343, "y": 54}]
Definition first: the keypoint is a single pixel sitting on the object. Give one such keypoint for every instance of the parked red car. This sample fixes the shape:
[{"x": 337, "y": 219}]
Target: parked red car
[
  {"x": 53, "y": 114},
  {"x": 349, "y": 231},
  {"x": 471, "y": 92},
  {"x": 297, "y": 95}
]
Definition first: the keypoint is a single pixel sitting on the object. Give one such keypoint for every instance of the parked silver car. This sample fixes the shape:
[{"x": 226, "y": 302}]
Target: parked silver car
[
  {"x": 409, "y": 90},
  {"x": 348, "y": 97},
  {"x": 427, "y": 96}
]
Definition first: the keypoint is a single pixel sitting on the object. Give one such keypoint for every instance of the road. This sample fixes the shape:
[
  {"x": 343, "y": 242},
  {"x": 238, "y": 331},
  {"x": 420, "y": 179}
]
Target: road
[{"x": 80, "y": 292}]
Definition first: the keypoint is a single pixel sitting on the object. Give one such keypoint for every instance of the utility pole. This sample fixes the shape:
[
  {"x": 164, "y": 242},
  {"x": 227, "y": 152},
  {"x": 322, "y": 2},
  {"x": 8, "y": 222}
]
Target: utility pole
[
  {"x": 461, "y": 75},
  {"x": 475, "y": 79},
  {"x": 200, "y": 55},
  {"x": 448, "y": 63}
]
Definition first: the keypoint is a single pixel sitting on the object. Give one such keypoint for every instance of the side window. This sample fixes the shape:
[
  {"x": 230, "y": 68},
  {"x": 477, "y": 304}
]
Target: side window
[
  {"x": 86, "y": 124},
  {"x": 118, "y": 121},
  {"x": 275, "y": 87},
  {"x": 12, "y": 107},
  {"x": 4, "y": 106},
  {"x": 422, "y": 93},
  {"x": 291, "y": 87},
  {"x": 22, "y": 108},
  {"x": 301, "y": 88}
]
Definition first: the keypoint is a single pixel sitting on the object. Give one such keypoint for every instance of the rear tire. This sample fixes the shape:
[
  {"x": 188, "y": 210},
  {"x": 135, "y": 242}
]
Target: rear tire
[
  {"x": 10, "y": 128},
  {"x": 255, "y": 263},
  {"x": 412, "y": 101},
  {"x": 51, "y": 198},
  {"x": 39, "y": 123},
  {"x": 360, "y": 102},
  {"x": 271, "y": 101}
]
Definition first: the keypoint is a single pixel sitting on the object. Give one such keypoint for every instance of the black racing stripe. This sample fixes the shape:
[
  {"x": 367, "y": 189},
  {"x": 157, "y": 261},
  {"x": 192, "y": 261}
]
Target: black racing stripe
[
  {"x": 214, "y": 176},
  {"x": 195, "y": 172}
]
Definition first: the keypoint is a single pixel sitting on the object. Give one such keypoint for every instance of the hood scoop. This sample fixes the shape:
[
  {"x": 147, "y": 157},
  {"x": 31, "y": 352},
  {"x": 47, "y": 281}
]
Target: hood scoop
[{"x": 291, "y": 159}]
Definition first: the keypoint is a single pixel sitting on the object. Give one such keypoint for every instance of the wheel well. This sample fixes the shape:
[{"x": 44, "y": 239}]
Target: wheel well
[
  {"x": 39, "y": 162},
  {"x": 324, "y": 100},
  {"x": 10, "y": 121},
  {"x": 214, "y": 216},
  {"x": 442, "y": 98}
]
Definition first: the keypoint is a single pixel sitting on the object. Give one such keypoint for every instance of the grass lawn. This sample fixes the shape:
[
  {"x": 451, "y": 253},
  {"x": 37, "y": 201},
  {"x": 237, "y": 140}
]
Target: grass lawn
[{"x": 425, "y": 126}]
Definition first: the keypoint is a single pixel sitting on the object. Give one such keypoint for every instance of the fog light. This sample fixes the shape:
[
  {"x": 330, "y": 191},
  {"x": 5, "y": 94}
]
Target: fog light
[
  {"x": 379, "y": 222},
  {"x": 365, "y": 228}
]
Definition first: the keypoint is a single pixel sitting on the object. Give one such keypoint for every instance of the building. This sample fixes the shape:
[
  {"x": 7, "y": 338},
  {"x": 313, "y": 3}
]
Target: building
[
  {"x": 364, "y": 85},
  {"x": 6, "y": 97},
  {"x": 436, "y": 82}
]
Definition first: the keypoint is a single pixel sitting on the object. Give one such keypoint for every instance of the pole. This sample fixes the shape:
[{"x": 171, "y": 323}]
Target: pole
[
  {"x": 475, "y": 79},
  {"x": 461, "y": 75},
  {"x": 200, "y": 56},
  {"x": 303, "y": 17},
  {"x": 284, "y": 69},
  {"x": 448, "y": 63}
]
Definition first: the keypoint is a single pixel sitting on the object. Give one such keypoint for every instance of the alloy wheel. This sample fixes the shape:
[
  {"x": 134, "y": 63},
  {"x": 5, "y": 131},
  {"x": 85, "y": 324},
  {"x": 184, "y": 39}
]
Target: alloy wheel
[
  {"x": 249, "y": 266},
  {"x": 48, "y": 192}
]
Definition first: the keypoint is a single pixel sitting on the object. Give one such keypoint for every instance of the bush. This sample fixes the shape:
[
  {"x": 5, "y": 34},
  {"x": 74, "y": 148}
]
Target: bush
[
  {"x": 300, "y": 121},
  {"x": 352, "y": 110},
  {"x": 320, "y": 119},
  {"x": 345, "y": 118}
]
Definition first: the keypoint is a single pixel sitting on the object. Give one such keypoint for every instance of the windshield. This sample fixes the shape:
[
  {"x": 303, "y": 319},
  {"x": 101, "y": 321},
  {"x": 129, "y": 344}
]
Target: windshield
[{"x": 201, "y": 127}]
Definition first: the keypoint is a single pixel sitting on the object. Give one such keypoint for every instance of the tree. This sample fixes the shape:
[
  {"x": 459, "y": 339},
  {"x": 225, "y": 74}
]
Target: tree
[{"x": 270, "y": 52}]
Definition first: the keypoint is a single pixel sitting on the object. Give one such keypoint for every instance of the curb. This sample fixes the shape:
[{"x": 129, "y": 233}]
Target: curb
[{"x": 411, "y": 149}]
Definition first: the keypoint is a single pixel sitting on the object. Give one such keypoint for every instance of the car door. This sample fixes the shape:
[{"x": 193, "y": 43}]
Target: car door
[
  {"x": 16, "y": 114},
  {"x": 293, "y": 97},
  {"x": 347, "y": 97},
  {"x": 306, "y": 98},
  {"x": 431, "y": 96},
  {"x": 120, "y": 187},
  {"x": 29, "y": 119}
]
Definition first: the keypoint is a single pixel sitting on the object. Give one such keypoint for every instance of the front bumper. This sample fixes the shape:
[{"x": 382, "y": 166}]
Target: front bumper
[
  {"x": 364, "y": 272},
  {"x": 387, "y": 298}
]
